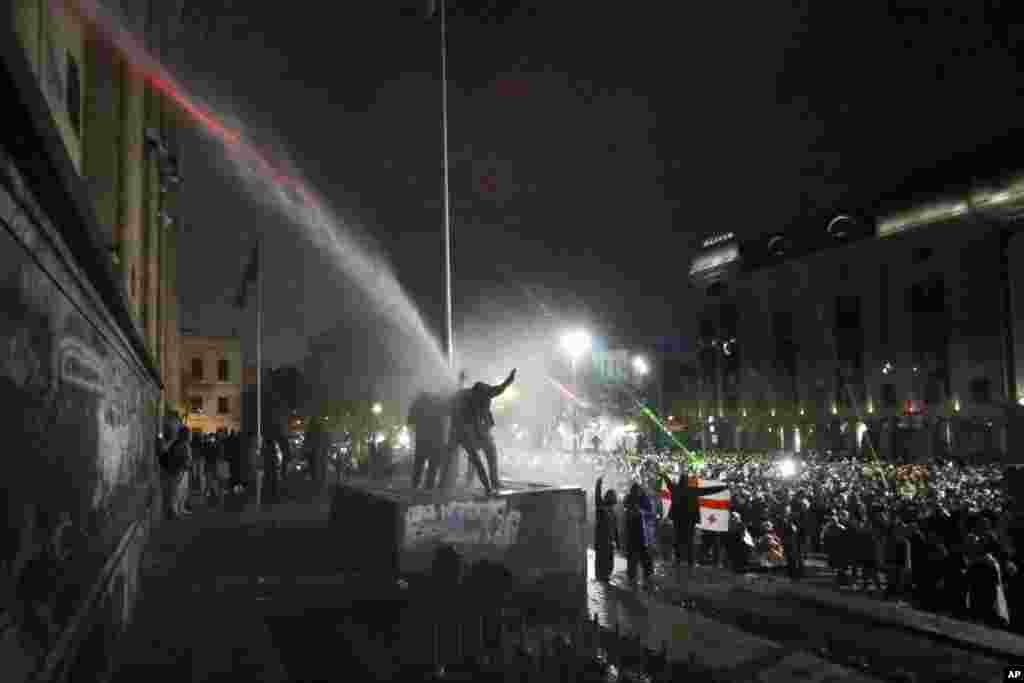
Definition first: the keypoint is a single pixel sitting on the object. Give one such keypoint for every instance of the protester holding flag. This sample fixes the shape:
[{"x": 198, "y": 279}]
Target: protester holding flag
[{"x": 685, "y": 512}]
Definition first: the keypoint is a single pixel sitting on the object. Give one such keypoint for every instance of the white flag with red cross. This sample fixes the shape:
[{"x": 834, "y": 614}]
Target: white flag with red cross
[{"x": 714, "y": 509}]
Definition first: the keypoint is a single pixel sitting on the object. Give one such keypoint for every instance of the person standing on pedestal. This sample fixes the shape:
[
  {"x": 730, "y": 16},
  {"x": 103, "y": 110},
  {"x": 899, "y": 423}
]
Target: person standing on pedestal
[{"x": 472, "y": 422}]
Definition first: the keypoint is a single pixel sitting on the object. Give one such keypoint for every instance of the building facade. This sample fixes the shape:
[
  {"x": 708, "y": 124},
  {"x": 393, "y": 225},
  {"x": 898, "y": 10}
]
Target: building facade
[
  {"x": 88, "y": 216},
  {"x": 890, "y": 346},
  {"x": 211, "y": 381}
]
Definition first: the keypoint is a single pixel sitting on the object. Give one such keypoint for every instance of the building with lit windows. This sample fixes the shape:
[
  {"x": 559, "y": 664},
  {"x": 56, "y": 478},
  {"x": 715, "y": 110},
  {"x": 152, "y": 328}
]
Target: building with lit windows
[
  {"x": 212, "y": 382},
  {"x": 892, "y": 346}
]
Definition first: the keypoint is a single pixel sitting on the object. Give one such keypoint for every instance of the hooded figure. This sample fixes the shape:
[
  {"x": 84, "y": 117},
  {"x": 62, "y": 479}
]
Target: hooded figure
[
  {"x": 606, "y": 531},
  {"x": 641, "y": 530}
]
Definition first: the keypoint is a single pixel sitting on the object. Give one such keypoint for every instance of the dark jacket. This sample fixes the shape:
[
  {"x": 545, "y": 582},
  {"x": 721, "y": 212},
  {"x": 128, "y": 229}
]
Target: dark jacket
[
  {"x": 474, "y": 404},
  {"x": 606, "y": 523},
  {"x": 641, "y": 522},
  {"x": 685, "y": 498}
]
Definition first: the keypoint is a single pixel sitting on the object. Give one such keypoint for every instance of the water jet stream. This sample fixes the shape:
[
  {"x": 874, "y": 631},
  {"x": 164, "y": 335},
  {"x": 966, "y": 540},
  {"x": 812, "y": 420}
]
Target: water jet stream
[{"x": 296, "y": 199}]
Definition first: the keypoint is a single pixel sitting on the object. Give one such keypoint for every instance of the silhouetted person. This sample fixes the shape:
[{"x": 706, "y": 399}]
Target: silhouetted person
[
  {"x": 428, "y": 416},
  {"x": 315, "y": 445},
  {"x": 685, "y": 513},
  {"x": 472, "y": 422},
  {"x": 641, "y": 531},
  {"x": 606, "y": 531}
]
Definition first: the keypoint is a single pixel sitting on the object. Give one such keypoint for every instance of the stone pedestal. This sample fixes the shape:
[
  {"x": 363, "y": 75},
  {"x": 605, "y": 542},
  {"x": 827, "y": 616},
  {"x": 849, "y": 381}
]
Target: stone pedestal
[{"x": 537, "y": 533}]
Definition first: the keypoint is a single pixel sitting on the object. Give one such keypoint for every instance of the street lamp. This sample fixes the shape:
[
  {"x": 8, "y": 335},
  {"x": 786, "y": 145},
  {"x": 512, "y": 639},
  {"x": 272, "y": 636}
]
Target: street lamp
[
  {"x": 640, "y": 366},
  {"x": 377, "y": 408},
  {"x": 576, "y": 344}
]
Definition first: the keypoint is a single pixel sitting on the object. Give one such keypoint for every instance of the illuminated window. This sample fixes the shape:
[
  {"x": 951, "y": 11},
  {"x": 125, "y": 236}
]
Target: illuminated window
[{"x": 981, "y": 390}]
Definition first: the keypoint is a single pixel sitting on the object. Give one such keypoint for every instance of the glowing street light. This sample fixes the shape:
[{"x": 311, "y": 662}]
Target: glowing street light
[
  {"x": 575, "y": 343},
  {"x": 377, "y": 409},
  {"x": 640, "y": 366},
  {"x": 787, "y": 468}
]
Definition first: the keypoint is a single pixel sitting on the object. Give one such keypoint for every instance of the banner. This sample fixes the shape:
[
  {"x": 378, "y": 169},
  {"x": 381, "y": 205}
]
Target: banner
[{"x": 714, "y": 509}]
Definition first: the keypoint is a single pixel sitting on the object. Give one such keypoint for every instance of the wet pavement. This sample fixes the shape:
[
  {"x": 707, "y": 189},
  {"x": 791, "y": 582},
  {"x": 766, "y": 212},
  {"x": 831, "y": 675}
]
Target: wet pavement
[
  {"x": 753, "y": 619},
  {"x": 204, "y": 614}
]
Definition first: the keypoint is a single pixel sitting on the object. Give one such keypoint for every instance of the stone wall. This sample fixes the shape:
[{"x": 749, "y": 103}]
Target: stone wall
[{"x": 80, "y": 483}]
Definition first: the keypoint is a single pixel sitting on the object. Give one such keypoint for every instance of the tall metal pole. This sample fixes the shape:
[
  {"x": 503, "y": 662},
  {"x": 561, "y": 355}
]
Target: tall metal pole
[
  {"x": 259, "y": 342},
  {"x": 575, "y": 414},
  {"x": 450, "y": 343}
]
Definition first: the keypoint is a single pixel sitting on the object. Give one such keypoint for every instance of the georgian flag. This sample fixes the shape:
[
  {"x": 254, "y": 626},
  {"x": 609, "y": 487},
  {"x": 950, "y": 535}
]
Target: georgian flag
[{"x": 714, "y": 509}]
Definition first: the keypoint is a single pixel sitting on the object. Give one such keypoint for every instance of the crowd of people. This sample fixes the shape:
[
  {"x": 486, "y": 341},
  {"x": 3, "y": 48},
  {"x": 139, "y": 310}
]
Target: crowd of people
[
  {"x": 218, "y": 468},
  {"x": 940, "y": 535}
]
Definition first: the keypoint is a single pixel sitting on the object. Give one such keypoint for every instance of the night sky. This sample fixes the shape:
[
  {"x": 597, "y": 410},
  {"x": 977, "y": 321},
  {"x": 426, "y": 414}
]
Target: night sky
[{"x": 589, "y": 150}]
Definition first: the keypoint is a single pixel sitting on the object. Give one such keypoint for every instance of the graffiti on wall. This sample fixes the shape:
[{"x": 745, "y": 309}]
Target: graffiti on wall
[
  {"x": 491, "y": 522},
  {"x": 79, "y": 443}
]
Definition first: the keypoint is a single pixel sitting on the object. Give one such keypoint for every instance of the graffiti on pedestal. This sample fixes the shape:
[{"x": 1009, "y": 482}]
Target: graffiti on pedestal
[
  {"x": 79, "y": 440},
  {"x": 491, "y": 522}
]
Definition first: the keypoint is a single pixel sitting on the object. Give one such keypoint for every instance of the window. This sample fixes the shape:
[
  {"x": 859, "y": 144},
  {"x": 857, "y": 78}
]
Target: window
[
  {"x": 223, "y": 374},
  {"x": 928, "y": 296},
  {"x": 223, "y": 405},
  {"x": 74, "y": 95},
  {"x": 889, "y": 395},
  {"x": 981, "y": 390},
  {"x": 707, "y": 330},
  {"x": 197, "y": 404},
  {"x": 785, "y": 344},
  {"x": 197, "y": 368},
  {"x": 933, "y": 390}
]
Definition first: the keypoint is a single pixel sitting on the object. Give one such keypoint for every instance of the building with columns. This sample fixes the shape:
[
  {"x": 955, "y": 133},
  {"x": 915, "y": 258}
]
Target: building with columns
[{"x": 894, "y": 346}]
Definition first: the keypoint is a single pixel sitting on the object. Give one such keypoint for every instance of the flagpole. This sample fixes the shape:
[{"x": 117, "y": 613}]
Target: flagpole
[
  {"x": 259, "y": 342},
  {"x": 450, "y": 343}
]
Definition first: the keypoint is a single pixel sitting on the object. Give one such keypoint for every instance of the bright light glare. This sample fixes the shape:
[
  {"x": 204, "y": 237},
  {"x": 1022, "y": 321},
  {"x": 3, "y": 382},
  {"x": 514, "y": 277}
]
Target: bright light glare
[
  {"x": 640, "y": 366},
  {"x": 787, "y": 467},
  {"x": 377, "y": 409},
  {"x": 404, "y": 439},
  {"x": 576, "y": 343}
]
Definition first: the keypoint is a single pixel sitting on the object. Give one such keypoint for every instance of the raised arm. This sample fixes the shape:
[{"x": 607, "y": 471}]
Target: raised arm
[
  {"x": 500, "y": 389},
  {"x": 709, "y": 490}
]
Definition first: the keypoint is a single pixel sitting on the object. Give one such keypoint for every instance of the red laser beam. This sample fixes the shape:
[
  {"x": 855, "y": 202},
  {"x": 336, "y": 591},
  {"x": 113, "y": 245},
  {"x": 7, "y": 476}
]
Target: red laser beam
[
  {"x": 103, "y": 26},
  {"x": 568, "y": 394}
]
